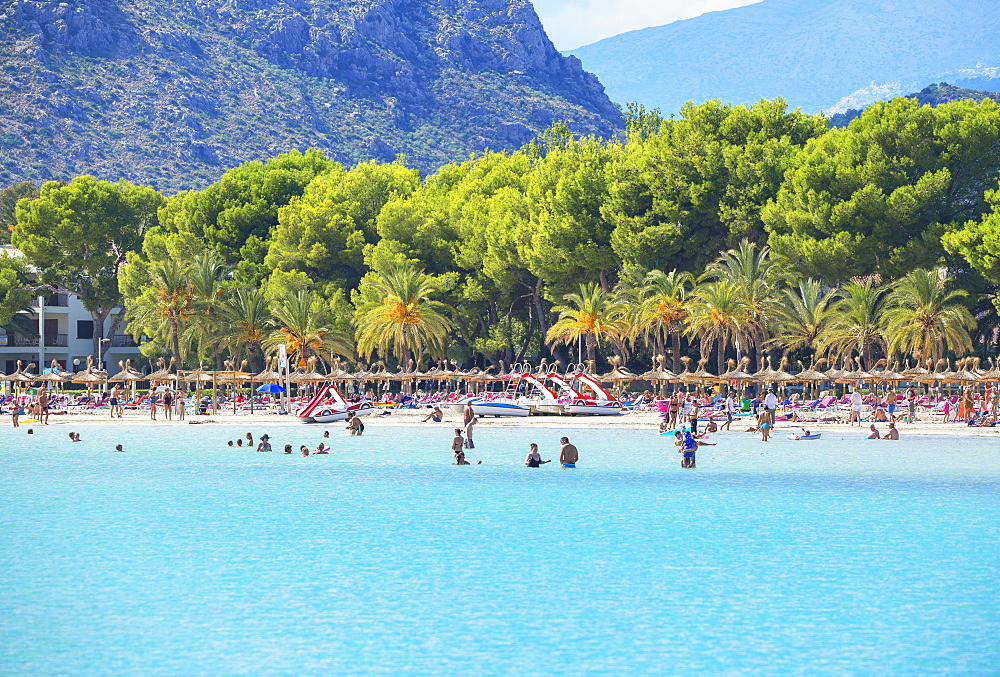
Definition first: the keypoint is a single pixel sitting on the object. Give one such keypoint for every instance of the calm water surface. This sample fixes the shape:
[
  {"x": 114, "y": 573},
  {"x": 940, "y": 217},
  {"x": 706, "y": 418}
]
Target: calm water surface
[{"x": 182, "y": 556}]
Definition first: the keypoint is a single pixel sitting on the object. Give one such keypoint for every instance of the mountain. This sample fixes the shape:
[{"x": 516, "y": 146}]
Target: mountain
[
  {"x": 934, "y": 95},
  {"x": 822, "y": 55},
  {"x": 172, "y": 92}
]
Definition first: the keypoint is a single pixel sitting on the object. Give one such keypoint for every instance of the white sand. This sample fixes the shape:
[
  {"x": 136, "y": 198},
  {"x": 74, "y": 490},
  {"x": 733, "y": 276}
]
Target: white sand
[{"x": 401, "y": 417}]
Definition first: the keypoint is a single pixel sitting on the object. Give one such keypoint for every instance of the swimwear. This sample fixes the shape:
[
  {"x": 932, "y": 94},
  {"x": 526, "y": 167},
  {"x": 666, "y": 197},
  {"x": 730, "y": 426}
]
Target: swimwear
[
  {"x": 569, "y": 465},
  {"x": 436, "y": 419}
]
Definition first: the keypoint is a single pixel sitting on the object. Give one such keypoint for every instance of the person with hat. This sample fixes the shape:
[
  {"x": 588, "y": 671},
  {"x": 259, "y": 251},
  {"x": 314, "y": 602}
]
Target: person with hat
[{"x": 265, "y": 444}]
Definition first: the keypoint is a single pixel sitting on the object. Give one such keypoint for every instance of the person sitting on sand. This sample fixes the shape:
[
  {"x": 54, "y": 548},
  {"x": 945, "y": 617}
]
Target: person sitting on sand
[
  {"x": 534, "y": 459},
  {"x": 893, "y": 433},
  {"x": 354, "y": 424},
  {"x": 874, "y": 434},
  {"x": 663, "y": 426},
  {"x": 264, "y": 445},
  {"x": 435, "y": 415},
  {"x": 321, "y": 449}
]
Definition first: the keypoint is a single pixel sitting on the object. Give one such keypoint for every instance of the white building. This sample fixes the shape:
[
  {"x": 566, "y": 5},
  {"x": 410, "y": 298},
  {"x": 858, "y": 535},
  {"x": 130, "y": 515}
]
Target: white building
[{"x": 66, "y": 332}]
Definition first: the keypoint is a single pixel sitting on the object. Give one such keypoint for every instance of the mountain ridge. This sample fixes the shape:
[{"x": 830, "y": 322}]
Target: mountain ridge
[
  {"x": 171, "y": 92},
  {"x": 814, "y": 53}
]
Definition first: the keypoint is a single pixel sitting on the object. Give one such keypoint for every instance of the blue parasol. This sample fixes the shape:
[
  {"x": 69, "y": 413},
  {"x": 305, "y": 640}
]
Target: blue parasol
[{"x": 271, "y": 388}]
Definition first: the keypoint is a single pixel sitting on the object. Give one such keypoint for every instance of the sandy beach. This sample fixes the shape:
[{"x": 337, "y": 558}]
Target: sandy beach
[{"x": 134, "y": 421}]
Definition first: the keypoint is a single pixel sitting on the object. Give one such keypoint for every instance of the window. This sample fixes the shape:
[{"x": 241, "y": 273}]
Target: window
[{"x": 85, "y": 329}]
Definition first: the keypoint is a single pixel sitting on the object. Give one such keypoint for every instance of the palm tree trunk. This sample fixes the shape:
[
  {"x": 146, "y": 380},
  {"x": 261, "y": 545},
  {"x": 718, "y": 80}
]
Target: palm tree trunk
[
  {"x": 675, "y": 340},
  {"x": 175, "y": 343}
]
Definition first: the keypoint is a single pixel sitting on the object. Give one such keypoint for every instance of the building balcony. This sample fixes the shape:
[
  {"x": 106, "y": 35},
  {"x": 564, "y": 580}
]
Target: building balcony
[
  {"x": 54, "y": 301},
  {"x": 123, "y": 341},
  {"x": 18, "y": 341}
]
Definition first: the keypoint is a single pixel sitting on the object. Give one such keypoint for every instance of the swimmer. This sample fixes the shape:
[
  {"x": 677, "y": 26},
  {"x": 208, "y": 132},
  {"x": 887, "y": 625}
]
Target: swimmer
[
  {"x": 893, "y": 433},
  {"x": 239, "y": 442},
  {"x": 663, "y": 426},
  {"x": 326, "y": 434},
  {"x": 31, "y": 431},
  {"x": 288, "y": 448},
  {"x": 321, "y": 449},
  {"x": 874, "y": 434},
  {"x": 118, "y": 447},
  {"x": 460, "y": 459},
  {"x": 354, "y": 424},
  {"x": 568, "y": 453},
  {"x": 304, "y": 449},
  {"x": 249, "y": 440},
  {"x": 264, "y": 445},
  {"x": 805, "y": 433},
  {"x": 74, "y": 437},
  {"x": 534, "y": 459}
]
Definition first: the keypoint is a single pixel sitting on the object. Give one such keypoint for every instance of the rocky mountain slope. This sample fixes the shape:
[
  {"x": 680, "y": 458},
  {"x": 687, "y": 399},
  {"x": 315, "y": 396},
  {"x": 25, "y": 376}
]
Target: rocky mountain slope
[
  {"x": 823, "y": 55},
  {"x": 172, "y": 92},
  {"x": 933, "y": 95}
]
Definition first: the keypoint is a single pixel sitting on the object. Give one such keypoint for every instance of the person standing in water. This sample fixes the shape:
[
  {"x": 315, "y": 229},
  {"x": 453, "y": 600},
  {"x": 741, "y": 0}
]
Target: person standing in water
[
  {"x": 534, "y": 459},
  {"x": 569, "y": 456},
  {"x": 469, "y": 444},
  {"x": 457, "y": 443},
  {"x": 264, "y": 445},
  {"x": 354, "y": 424}
]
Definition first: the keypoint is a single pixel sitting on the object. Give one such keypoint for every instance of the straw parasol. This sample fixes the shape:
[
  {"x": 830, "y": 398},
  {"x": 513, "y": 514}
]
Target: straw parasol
[
  {"x": 702, "y": 375},
  {"x": 127, "y": 374},
  {"x": 992, "y": 374},
  {"x": 163, "y": 373},
  {"x": 19, "y": 376},
  {"x": 309, "y": 376},
  {"x": 269, "y": 375},
  {"x": 659, "y": 373},
  {"x": 54, "y": 376},
  {"x": 766, "y": 374},
  {"x": 887, "y": 375},
  {"x": 858, "y": 375},
  {"x": 618, "y": 373},
  {"x": 781, "y": 375},
  {"x": 737, "y": 372},
  {"x": 810, "y": 375},
  {"x": 89, "y": 376}
]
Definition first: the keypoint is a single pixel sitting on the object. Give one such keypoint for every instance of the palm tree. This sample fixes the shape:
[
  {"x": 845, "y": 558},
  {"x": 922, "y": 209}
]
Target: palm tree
[
  {"x": 662, "y": 307},
  {"x": 166, "y": 305},
  {"x": 301, "y": 320},
  {"x": 751, "y": 271},
  {"x": 588, "y": 316},
  {"x": 924, "y": 317},
  {"x": 400, "y": 315},
  {"x": 803, "y": 316},
  {"x": 250, "y": 321},
  {"x": 208, "y": 326},
  {"x": 718, "y": 315},
  {"x": 856, "y": 324}
]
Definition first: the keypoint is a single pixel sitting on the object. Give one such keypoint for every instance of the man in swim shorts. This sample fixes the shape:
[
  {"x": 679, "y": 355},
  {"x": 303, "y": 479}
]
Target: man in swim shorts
[
  {"x": 568, "y": 454},
  {"x": 354, "y": 424}
]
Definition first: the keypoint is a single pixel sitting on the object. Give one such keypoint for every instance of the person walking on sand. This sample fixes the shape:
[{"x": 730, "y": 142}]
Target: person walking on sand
[
  {"x": 730, "y": 409},
  {"x": 569, "y": 455},
  {"x": 857, "y": 404},
  {"x": 771, "y": 406},
  {"x": 152, "y": 405},
  {"x": 911, "y": 404},
  {"x": 43, "y": 405}
]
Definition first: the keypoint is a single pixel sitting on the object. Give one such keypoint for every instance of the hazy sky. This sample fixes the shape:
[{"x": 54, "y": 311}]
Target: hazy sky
[{"x": 572, "y": 23}]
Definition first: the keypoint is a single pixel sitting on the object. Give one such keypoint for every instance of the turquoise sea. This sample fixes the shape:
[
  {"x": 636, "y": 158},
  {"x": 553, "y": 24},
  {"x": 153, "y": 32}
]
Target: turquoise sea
[{"x": 182, "y": 556}]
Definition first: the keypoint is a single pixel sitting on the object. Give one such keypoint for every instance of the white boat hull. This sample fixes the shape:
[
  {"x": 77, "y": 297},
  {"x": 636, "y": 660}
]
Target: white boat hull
[
  {"x": 595, "y": 409},
  {"x": 334, "y": 414},
  {"x": 499, "y": 409}
]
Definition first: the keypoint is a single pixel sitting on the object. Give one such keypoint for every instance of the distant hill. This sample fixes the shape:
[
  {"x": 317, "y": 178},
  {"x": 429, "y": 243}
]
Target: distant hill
[
  {"x": 822, "y": 55},
  {"x": 172, "y": 92},
  {"x": 934, "y": 95}
]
